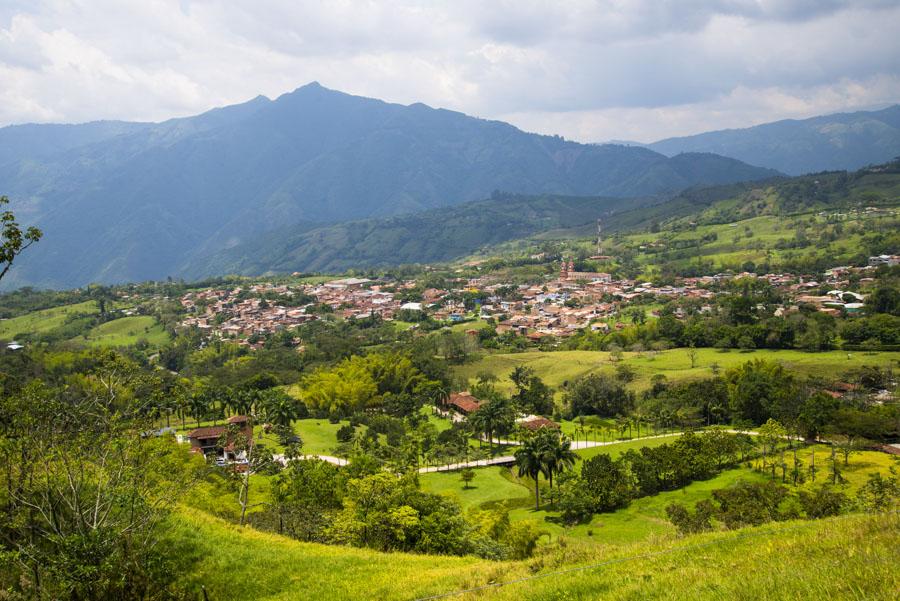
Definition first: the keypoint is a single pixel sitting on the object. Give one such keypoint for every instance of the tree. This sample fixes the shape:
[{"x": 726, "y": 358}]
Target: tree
[
  {"x": 816, "y": 413},
  {"x": 558, "y": 453},
  {"x": 692, "y": 355},
  {"x": 467, "y": 475},
  {"x": 880, "y": 493},
  {"x": 885, "y": 299},
  {"x": 13, "y": 241},
  {"x": 759, "y": 390},
  {"x": 280, "y": 408},
  {"x": 531, "y": 460},
  {"x": 493, "y": 417},
  {"x": 770, "y": 434},
  {"x": 599, "y": 395},
  {"x": 256, "y": 458},
  {"x": 85, "y": 492}
]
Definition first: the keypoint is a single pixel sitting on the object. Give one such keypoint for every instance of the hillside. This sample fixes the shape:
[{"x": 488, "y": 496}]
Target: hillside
[
  {"x": 480, "y": 228},
  {"x": 125, "y": 202},
  {"x": 853, "y": 558},
  {"x": 430, "y": 236},
  {"x": 839, "y": 141}
]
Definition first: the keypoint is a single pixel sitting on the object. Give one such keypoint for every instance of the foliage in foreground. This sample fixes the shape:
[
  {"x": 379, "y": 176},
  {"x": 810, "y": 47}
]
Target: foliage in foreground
[{"x": 840, "y": 558}]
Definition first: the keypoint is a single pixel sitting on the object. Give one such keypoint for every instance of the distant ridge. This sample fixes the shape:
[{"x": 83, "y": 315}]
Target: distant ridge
[
  {"x": 125, "y": 202},
  {"x": 843, "y": 141}
]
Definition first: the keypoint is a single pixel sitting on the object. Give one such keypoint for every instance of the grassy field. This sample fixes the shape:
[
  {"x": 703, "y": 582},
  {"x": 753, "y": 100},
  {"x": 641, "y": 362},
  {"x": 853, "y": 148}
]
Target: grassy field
[
  {"x": 614, "y": 450},
  {"x": 39, "y": 322},
  {"x": 491, "y": 485},
  {"x": 557, "y": 368},
  {"x": 753, "y": 239},
  {"x": 852, "y": 558},
  {"x": 126, "y": 331}
]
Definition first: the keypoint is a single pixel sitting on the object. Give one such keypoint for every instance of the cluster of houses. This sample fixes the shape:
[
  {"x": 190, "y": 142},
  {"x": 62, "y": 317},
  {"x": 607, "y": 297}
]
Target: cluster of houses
[
  {"x": 241, "y": 313},
  {"x": 560, "y": 307}
]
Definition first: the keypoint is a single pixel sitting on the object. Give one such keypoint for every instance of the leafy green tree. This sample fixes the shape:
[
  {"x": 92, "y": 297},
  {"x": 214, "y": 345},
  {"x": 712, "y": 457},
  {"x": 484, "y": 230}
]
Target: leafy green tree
[
  {"x": 880, "y": 493},
  {"x": 770, "y": 435},
  {"x": 691, "y": 523},
  {"x": 467, "y": 475},
  {"x": 822, "y": 502},
  {"x": 749, "y": 504},
  {"x": 85, "y": 494},
  {"x": 279, "y": 408},
  {"x": 599, "y": 395},
  {"x": 817, "y": 412},
  {"x": 13, "y": 240},
  {"x": 885, "y": 299},
  {"x": 759, "y": 390}
]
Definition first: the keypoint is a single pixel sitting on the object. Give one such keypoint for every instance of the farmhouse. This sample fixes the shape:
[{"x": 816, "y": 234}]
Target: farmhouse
[
  {"x": 463, "y": 402},
  {"x": 536, "y": 422},
  {"x": 208, "y": 440}
]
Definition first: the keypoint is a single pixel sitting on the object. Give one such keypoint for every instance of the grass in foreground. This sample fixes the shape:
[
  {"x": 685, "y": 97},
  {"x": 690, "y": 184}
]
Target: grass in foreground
[{"x": 851, "y": 557}]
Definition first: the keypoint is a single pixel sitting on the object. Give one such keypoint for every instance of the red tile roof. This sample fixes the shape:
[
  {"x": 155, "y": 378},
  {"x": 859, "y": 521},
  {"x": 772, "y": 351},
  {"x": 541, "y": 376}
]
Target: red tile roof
[
  {"x": 464, "y": 401},
  {"x": 208, "y": 432},
  {"x": 539, "y": 422}
]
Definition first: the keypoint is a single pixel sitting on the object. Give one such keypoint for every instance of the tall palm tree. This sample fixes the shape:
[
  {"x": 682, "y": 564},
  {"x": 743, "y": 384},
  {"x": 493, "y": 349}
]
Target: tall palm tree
[
  {"x": 198, "y": 405},
  {"x": 488, "y": 418},
  {"x": 558, "y": 453},
  {"x": 531, "y": 461}
]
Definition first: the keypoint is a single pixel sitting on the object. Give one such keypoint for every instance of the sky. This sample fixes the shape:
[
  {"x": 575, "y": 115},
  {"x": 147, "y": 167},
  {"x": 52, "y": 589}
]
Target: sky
[{"x": 591, "y": 71}]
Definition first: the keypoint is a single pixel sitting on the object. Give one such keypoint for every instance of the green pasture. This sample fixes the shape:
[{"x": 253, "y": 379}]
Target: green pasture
[
  {"x": 126, "y": 331},
  {"x": 45, "y": 320},
  {"x": 560, "y": 367}
]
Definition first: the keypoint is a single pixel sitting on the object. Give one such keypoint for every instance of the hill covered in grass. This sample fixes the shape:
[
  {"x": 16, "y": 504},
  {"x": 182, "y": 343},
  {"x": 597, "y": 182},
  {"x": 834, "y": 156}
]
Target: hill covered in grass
[{"x": 849, "y": 557}]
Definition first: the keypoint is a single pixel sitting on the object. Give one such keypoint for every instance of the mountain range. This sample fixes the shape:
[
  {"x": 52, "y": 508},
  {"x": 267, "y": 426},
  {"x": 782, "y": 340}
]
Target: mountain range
[
  {"x": 134, "y": 201},
  {"x": 843, "y": 141}
]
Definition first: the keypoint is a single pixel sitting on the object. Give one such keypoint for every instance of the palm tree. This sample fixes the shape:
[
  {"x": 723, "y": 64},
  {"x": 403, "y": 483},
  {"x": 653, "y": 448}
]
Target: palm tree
[
  {"x": 530, "y": 459},
  {"x": 280, "y": 408},
  {"x": 558, "y": 453},
  {"x": 198, "y": 405},
  {"x": 488, "y": 418}
]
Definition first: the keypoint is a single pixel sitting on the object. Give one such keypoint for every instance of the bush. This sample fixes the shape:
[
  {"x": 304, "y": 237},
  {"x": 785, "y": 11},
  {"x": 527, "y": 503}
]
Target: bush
[
  {"x": 686, "y": 522},
  {"x": 823, "y": 502},
  {"x": 345, "y": 433}
]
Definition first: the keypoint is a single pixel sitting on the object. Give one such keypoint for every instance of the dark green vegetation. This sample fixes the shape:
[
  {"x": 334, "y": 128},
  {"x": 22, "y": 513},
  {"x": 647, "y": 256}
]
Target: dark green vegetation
[
  {"x": 691, "y": 234},
  {"x": 427, "y": 237},
  {"x": 839, "y": 141},
  {"x": 135, "y": 202}
]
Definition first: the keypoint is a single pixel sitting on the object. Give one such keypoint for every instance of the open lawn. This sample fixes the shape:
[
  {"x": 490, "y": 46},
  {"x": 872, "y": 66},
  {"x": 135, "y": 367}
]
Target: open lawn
[
  {"x": 491, "y": 485},
  {"x": 39, "y": 322},
  {"x": 614, "y": 450},
  {"x": 853, "y": 558},
  {"x": 126, "y": 331},
  {"x": 559, "y": 367}
]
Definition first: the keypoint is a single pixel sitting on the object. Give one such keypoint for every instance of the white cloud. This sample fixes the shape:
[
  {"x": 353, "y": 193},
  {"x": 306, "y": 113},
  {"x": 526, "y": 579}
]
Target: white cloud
[{"x": 590, "y": 70}]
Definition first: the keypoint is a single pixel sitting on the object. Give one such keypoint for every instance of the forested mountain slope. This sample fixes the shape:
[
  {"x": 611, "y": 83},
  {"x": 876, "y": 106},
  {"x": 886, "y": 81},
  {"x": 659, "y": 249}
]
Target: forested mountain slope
[{"x": 121, "y": 201}]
